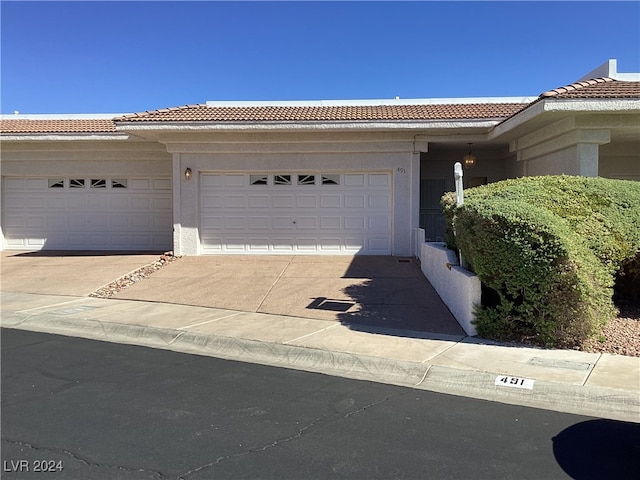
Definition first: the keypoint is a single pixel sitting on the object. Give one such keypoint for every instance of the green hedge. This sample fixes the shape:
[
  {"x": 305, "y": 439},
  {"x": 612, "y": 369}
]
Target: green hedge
[{"x": 549, "y": 249}]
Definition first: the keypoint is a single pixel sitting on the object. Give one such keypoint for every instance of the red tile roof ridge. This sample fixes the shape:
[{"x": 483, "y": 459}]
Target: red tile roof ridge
[
  {"x": 209, "y": 113},
  {"x": 575, "y": 86},
  {"x": 160, "y": 110}
]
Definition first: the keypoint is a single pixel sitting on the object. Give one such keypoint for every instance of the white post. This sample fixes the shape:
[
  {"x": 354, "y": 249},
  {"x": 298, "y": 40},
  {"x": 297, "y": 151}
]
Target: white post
[{"x": 457, "y": 175}]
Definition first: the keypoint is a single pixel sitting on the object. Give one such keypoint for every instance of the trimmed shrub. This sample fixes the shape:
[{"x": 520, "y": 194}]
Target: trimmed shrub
[{"x": 549, "y": 248}]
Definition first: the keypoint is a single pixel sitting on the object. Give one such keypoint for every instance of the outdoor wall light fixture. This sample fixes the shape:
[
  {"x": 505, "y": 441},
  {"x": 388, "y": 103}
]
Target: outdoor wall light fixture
[
  {"x": 469, "y": 160},
  {"x": 187, "y": 174}
]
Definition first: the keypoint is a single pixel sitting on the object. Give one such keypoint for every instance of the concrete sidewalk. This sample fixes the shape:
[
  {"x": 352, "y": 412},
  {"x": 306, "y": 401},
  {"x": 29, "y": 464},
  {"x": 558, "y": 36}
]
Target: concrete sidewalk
[{"x": 599, "y": 385}]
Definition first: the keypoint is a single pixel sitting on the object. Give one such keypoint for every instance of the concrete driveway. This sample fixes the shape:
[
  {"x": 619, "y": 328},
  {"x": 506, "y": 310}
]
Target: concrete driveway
[
  {"x": 380, "y": 291},
  {"x": 66, "y": 273}
]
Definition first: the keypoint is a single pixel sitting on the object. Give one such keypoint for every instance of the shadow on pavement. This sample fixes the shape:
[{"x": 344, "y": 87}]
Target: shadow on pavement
[
  {"x": 394, "y": 295},
  {"x": 598, "y": 449},
  {"x": 84, "y": 253}
]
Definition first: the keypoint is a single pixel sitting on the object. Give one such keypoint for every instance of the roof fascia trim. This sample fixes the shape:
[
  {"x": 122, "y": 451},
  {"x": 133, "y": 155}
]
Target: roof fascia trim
[
  {"x": 631, "y": 105},
  {"x": 516, "y": 120},
  {"x": 556, "y": 105},
  {"x": 299, "y": 126},
  {"x": 39, "y": 137}
]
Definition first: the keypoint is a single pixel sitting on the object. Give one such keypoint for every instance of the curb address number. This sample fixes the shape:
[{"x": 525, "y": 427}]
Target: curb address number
[{"x": 514, "y": 382}]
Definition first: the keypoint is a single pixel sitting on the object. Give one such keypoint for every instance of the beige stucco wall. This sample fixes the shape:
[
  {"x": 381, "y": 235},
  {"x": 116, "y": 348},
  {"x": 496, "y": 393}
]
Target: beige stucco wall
[
  {"x": 69, "y": 158},
  {"x": 620, "y": 159},
  {"x": 296, "y": 153},
  {"x": 581, "y": 159}
]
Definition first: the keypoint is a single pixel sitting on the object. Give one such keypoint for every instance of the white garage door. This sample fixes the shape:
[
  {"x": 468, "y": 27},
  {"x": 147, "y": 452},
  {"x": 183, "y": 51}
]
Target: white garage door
[
  {"x": 296, "y": 213},
  {"x": 87, "y": 213}
]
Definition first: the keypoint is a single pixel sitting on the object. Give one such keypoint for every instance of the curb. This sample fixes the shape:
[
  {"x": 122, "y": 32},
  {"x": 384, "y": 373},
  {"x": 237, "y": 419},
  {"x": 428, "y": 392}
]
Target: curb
[{"x": 581, "y": 400}]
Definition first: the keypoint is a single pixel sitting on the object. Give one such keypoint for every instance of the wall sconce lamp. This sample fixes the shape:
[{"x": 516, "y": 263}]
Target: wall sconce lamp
[
  {"x": 469, "y": 160},
  {"x": 187, "y": 174}
]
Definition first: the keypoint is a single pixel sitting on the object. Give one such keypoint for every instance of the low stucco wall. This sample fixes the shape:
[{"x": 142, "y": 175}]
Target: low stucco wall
[{"x": 458, "y": 288}]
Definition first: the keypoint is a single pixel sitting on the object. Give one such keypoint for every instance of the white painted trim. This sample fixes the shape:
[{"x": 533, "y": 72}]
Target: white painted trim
[
  {"x": 592, "y": 105},
  {"x": 301, "y": 126},
  {"x": 40, "y": 137},
  {"x": 552, "y": 105}
]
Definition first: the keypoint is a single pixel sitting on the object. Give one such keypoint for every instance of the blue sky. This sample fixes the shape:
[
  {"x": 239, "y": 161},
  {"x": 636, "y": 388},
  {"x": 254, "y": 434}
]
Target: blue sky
[{"x": 117, "y": 57}]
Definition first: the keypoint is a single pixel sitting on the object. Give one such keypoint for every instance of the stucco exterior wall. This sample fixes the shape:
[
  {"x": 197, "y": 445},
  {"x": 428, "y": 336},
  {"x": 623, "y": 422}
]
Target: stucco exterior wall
[
  {"x": 261, "y": 153},
  {"x": 580, "y": 159},
  {"x": 620, "y": 160},
  {"x": 106, "y": 158}
]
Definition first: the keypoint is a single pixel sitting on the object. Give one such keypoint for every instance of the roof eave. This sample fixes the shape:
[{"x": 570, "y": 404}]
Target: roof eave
[
  {"x": 203, "y": 126},
  {"x": 565, "y": 105},
  {"x": 617, "y": 105},
  {"x": 64, "y": 136}
]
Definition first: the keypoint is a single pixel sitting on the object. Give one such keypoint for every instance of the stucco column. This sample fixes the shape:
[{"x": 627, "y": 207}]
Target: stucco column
[
  {"x": 176, "y": 184},
  {"x": 185, "y": 211},
  {"x": 1, "y": 231},
  {"x": 415, "y": 200},
  {"x": 586, "y": 159},
  {"x": 573, "y": 153}
]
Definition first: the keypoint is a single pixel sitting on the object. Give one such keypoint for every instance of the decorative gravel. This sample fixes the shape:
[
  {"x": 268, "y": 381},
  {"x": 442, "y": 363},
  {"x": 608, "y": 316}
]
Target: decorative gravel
[
  {"x": 130, "y": 278},
  {"x": 621, "y": 336}
]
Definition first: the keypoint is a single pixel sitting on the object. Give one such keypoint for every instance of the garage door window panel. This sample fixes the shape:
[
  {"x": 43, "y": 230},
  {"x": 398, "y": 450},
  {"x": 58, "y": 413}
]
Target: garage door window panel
[
  {"x": 258, "y": 179},
  {"x": 282, "y": 179},
  {"x": 306, "y": 179},
  {"x": 330, "y": 179}
]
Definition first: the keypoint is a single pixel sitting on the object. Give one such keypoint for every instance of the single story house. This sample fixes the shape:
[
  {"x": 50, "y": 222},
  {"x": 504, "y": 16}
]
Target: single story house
[{"x": 324, "y": 177}]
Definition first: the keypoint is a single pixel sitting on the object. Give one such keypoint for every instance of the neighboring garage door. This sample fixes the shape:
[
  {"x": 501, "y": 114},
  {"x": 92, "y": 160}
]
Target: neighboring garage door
[
  {"x": 87, "y": 213},
  {"x": 296, "y": 213}
]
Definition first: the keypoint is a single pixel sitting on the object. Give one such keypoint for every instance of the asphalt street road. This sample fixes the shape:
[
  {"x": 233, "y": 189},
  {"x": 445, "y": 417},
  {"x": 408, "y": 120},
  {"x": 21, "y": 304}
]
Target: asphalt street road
[{"x": 81, "y": 409}]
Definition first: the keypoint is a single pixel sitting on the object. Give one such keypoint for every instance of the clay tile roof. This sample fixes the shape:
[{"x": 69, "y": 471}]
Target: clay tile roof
[
  {"x": 596, "y": 88},
  {"x": 209, "y": 113},
  {"x": 57, "y": 126}
]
